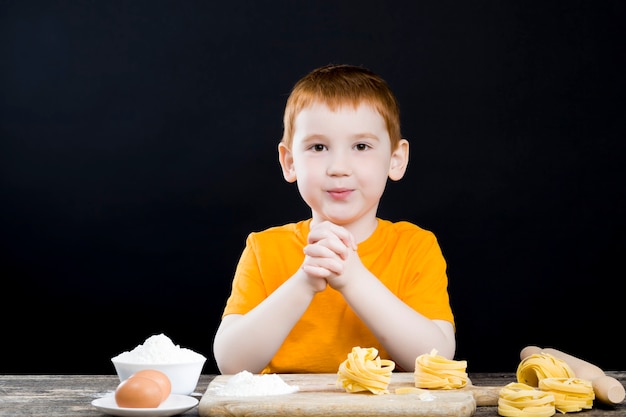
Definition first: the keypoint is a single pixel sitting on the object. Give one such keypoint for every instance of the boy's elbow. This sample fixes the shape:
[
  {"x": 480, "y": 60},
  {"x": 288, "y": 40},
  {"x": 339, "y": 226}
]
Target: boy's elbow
[
  {"x": 448, "y": 351},
  {"x": 447, "y": 347},
  {"x": 228, "y": 369},
  {"x": 221, "y": 357},
  {"x": 225, "y": 362},
  {"x": 228, "y": 363},
  {"x": 233, "y": 367}
]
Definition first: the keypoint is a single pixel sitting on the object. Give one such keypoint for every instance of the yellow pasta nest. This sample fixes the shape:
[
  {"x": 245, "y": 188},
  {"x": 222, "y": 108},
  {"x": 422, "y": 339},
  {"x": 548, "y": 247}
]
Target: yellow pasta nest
[
  {"x": 521, "y": 400},
  {"x": 363, "y": 370},
  {"x": 538, "y": 366},
  {"x": 436, "y": 372},
  {"x": 570, "y": 394}
]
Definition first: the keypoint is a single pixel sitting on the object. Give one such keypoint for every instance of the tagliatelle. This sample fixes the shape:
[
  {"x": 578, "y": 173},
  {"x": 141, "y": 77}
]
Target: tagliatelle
[
  {"x": 570, "y": 394},
  {"x": 538, "y": 366},
  {"x": 433, "y": 371},
  {"x": 409, "y": 390},
  {"x": 521, "y": 400},
  {"x": 422, "y": 394},
  {"x": 364, "y": 370}
]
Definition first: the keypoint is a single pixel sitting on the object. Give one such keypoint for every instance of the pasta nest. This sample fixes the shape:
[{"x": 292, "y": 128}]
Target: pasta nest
[
  {"x": 538, "y": 366},
  {"x": 364, "y": 370},
  {"x": 521, "y": 400},
  {"x": 433, "y": 371},
  {"x": 570, "y": 394}
]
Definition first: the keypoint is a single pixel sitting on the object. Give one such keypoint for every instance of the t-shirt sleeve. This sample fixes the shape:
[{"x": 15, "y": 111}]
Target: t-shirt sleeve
[
  {"x": 247, "y": 289},
  {"x": 426, "y": 290}
]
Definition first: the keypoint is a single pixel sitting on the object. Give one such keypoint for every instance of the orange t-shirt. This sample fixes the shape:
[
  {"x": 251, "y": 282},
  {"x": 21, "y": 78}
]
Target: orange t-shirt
[{"x": 406, "y": 258}]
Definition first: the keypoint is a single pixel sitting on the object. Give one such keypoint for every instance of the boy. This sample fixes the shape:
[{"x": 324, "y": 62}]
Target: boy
[{"x": 304, "y": 294}]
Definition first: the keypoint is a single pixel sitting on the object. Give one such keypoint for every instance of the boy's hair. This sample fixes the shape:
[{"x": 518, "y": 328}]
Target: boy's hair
[{"x": 337, "y": 85}]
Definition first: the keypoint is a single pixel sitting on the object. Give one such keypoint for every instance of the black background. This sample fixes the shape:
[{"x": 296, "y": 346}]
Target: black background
[{"x": 138, "y": 149}]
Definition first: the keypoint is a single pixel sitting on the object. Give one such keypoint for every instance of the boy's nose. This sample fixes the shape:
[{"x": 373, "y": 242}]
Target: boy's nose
[{"x": 338, "y": 165}]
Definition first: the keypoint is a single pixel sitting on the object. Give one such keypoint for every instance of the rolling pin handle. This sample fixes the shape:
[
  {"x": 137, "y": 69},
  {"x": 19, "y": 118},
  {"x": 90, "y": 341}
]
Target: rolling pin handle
[
  {"x": 608, "y": 390},
  {"x": 528, "y": 351}
]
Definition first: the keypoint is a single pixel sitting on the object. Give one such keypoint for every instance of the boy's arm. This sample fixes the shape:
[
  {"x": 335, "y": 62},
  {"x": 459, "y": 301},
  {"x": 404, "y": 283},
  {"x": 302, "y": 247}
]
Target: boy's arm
[
  {"x": 403, "y": 332},
  {"x": 250, "y": 341}
]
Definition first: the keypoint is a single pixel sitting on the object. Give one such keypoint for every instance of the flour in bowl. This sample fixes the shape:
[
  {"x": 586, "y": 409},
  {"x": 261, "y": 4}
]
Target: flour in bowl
[
  {"x": 246, "y": 384},
  {"x": 159, "y": 349}
]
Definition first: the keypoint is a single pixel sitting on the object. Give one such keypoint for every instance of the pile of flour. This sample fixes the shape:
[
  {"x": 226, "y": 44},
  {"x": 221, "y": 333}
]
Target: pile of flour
[
  {"x": 159, "y": 349},
  {"x": 246, "y": 384}
]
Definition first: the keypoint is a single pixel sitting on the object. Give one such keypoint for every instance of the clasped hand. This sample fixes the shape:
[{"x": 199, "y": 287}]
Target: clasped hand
[{"x": 330, "y": 253}]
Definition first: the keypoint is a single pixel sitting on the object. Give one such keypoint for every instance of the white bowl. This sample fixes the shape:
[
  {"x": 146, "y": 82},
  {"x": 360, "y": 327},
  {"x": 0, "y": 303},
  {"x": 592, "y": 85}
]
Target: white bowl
[{"x": 184, "y": 376}]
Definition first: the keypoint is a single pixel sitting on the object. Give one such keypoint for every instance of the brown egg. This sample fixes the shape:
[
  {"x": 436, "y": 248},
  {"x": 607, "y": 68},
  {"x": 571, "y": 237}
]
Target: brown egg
[
  {"x": 158, "y": 377},
  {"x": 138, "y": 392}
]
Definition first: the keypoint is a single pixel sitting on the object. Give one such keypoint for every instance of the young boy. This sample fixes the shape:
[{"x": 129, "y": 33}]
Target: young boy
[{"x": 304, "y": 294}]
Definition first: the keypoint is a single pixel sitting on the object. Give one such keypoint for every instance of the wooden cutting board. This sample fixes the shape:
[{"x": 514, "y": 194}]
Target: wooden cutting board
[{"x": 318, "y": 396}]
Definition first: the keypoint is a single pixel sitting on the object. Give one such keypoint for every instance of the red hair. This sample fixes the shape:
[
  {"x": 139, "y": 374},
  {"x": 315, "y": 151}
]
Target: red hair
[{"x": 339, "y": 85}]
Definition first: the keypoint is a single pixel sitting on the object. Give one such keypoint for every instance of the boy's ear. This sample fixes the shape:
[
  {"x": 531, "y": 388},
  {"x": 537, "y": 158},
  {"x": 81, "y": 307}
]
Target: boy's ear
[
  {"x": 399, "y": 160},
  {"x": 285, "y": 157}
]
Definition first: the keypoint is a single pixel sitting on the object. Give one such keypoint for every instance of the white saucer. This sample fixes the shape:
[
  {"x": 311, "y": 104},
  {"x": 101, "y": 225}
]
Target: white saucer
[{"x": 175, "y": 404}]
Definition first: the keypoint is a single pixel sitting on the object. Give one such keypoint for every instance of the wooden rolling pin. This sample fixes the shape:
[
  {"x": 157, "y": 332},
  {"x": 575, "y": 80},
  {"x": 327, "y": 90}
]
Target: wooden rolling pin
[{"x": 606, "y": 389}]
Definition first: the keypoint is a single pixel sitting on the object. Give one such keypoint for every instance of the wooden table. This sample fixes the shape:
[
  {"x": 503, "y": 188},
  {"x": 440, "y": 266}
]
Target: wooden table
[{"x": 71, "y": 395}]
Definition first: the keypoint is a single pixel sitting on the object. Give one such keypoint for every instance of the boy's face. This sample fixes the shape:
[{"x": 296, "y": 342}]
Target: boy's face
[{"x": 341, "y": 161}]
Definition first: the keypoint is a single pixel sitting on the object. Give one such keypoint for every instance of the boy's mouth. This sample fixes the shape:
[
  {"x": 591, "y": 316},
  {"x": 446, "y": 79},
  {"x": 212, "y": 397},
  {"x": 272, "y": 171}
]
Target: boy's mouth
[{"x": 340, "y": 193}]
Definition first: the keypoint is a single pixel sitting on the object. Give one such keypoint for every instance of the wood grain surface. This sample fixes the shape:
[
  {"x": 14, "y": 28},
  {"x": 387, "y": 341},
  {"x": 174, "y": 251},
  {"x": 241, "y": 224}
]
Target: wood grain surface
[
  {"x": 23, "y": 395},
  {"x": 318, "y": 396}
]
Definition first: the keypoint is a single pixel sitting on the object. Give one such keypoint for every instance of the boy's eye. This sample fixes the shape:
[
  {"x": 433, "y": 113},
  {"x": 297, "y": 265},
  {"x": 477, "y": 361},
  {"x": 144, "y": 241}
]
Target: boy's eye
[
  {"x": 361, "y": 147},
  {"x": 318, "y": 147}
]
